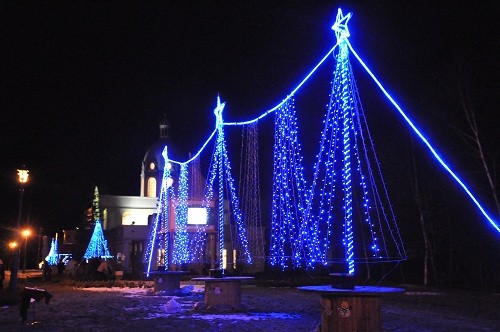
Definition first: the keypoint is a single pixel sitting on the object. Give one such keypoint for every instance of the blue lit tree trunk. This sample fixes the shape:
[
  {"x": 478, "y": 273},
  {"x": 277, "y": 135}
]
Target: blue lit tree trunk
[
  {"x": 180, "y": 253},
  {"x": 289, "y": 230},
  {"x": 347, "y": 126},
  {"x": 157, "y": 248}
]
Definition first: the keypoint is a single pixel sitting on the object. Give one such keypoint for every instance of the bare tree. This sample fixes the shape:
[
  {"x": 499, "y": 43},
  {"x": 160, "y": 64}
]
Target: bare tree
[
  {"x": 428, "y": 253},
  {"x": 474, "y": 139}
]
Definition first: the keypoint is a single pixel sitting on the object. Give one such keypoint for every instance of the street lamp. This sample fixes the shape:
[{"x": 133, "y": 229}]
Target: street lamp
[
  {"x": 38, "y": 253},
  {"x": 12, "y": 246},
  {"x": 22, "y": 174},
  {"x": 26, "y": 233}
]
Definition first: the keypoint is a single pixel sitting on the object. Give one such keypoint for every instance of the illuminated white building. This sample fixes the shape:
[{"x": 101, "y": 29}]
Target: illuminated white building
[{"x": 126, "y": 219}]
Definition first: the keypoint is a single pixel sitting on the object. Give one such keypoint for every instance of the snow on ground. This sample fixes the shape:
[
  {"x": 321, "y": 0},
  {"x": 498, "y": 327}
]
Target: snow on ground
[
  {"x": 143, "y": 291},
  {"x": 244, "y": 317},
  {"x": 173, "y": 306},
  {"x": 422, "y": 293}
]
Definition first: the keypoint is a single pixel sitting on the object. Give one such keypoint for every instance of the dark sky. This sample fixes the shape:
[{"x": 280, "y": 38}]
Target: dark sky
[{"x": 83, "y": 85}]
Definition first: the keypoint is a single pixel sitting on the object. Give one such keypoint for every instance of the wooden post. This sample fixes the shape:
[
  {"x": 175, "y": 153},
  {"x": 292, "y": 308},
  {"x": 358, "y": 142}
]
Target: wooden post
[
  {"x": 167, "y": 281},
  {"x": 350, "y": 313},
  {"x": 345, "y": 309},
  {"x": 222, "y": 293}
]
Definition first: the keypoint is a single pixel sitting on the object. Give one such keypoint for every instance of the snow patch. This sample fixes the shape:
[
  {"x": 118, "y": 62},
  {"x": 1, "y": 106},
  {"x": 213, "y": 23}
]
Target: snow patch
[
  {"x": 422, "y": 293},
  {"x": 129, "y": 291},
  {"x": 172, "y": 306},
  {"x": 245, "y": 317}
]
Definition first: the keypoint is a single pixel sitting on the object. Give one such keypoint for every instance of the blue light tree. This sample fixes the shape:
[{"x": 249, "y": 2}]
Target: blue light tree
[
  {"x": 220, "y": 169},
  {"x": 52, "y": 256},
  {"x": 346, "y": 208},
  {"x": 98, "y": 245}
]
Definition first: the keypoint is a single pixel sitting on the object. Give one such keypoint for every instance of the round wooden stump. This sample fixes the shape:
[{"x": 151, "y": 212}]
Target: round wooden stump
[
  {"x": 167, "y": 281},
  {"x": 339, "y": 313},
  {"x": 222, "y": 294},
  {"x": 356, "y": 309}
]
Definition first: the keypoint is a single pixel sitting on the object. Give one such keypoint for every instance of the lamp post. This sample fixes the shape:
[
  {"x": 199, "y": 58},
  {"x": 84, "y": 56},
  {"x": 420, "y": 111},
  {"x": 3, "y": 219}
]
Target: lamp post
[
  {"x": 26, "y": 233},
  {"x": 22, "y": 174},
  {"x": 38, "y": 253},
  {"x": 12, "y": 246}
]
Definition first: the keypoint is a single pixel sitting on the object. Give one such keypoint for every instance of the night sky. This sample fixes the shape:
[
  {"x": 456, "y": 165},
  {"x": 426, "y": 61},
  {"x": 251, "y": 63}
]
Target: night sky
[{"x": 85, "y": 84}]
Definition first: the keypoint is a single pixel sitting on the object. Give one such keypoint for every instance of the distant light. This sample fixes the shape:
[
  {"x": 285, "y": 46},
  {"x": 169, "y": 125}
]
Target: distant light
[
  {"x": 197, "y": 216},
  {"x": 26, "y": 232},
  {"x": 23, "y": 175}
]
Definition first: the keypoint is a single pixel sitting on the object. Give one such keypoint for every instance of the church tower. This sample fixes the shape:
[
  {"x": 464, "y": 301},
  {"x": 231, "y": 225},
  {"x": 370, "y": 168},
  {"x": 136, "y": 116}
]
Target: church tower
[{"x": 153, "y": 163}]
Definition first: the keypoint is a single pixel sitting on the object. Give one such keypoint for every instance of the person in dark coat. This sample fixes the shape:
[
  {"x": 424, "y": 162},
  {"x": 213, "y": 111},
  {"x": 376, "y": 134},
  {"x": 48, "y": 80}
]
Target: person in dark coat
[
  {"x": 36, "y": 294},
  {"x": 60, "y": 267},
  {"x": 2, "y": 274},
  {"x": 47, "y": 271}
]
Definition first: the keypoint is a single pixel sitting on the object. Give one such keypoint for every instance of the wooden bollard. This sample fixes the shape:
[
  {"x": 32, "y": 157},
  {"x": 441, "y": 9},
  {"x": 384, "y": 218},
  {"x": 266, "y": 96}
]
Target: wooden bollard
[
  {"x": 223, "y": 292},
  {"x": 360, "y": 313}
]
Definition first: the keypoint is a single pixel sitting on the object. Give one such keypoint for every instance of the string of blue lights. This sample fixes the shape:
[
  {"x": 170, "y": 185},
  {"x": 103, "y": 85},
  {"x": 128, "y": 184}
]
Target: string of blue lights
[
  {"x": 53, "y": 254},
  {"x": 289, "y": 231},
  {"x": 98, "y": 245},
  {"x": 309, "y": 224},
  {"x": 341, "y": 30},
  {"x": 426, "y": 142},
  {"x": 158, "y": 240},
  {"x": 180, "y": 253}
]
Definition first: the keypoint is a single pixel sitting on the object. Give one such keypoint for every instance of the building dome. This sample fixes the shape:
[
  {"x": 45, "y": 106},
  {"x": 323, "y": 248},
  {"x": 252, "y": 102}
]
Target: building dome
[{"x": 153, "y": 163}]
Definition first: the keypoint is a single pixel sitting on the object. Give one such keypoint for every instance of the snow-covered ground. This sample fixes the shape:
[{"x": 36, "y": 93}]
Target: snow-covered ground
[{"x": 269, "y": 309}]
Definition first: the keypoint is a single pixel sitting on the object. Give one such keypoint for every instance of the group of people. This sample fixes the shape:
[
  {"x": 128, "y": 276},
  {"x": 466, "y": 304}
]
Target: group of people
[
  {"x": 94, "y": 269},
  {"x": 87, "y": 269}
]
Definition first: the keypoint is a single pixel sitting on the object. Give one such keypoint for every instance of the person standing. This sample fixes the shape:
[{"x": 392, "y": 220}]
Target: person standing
[
  {"x": 47, "y": 271},
  {"x": 70, "y": 269},
  {"x": 60, "y": 267},
  {"x": 2, "y": 274},
  {"x": 104, "y": 270}
]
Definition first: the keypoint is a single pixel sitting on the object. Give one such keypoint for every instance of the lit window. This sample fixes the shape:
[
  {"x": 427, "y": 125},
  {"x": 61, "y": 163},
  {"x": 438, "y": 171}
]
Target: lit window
[
  {"x": 152, "y": 166},
  {"x": 126, "y": 218},
  {"x": 151, "y": 187},
  {"x": 105, "y": 218}
]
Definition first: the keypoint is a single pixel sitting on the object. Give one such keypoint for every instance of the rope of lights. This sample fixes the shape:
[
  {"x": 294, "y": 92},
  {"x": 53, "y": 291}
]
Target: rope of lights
[
  {"x": 264, "y": 114},
  {"x": 436, "y": 155},
  {"x": 159, "y": 228}
]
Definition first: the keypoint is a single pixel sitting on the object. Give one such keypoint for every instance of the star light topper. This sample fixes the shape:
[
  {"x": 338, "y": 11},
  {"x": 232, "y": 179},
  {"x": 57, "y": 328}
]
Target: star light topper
[
  {"x": 340, "y": 26},
  {"x": 218, "y": 111}
]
